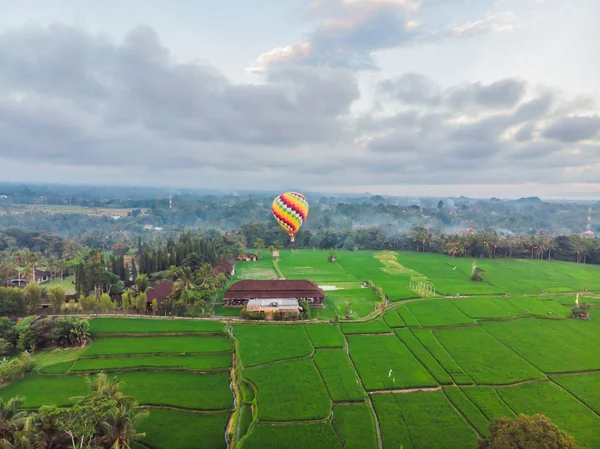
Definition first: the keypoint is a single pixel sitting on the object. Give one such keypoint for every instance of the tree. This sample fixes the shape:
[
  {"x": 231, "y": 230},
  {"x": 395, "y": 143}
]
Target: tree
[
  {"x": 125, "y": 302},
  {"x": 154, "y": 306},
  {"x": 440, "y": 205},
  {"x": 32, "y": 295},
  {"x": 531, "y": 432},
  {"x": 57, "y": 297},
  {"x": 259, "y": 243},
  {"x": 305, "y": 306},
  {"x": 477, "y": 273},
  {"x": 106, "y": 303},
  {"x": 140, "y": 302},
  {"x": 142, "y": 282}
]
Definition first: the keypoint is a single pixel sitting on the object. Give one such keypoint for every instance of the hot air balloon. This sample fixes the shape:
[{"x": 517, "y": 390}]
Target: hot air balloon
[{"x": 290, "y": 209}]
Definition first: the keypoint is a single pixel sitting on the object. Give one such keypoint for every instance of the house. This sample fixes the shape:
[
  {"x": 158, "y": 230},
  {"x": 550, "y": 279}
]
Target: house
[
  {"x": 40, "y": 276},
  {"x": 222, "y": 267},
  {"x": 160, "y": 292},
  {"x": 270, "y": 306},
  {"x": 276, "y": 253},
  {"x": 249, "y": 257},
  {"x": 240, "y": 293}
]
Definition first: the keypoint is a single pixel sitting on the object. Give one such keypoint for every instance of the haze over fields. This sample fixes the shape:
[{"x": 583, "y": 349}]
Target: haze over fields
[{"x": 405, "y": 97}]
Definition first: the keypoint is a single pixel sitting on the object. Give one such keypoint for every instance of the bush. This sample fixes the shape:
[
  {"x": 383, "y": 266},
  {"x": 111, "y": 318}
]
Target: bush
[
  {"x": 70, "y": 332},
  {"x": 16, "y": 368},
  {"x": 247, "y": 315}
]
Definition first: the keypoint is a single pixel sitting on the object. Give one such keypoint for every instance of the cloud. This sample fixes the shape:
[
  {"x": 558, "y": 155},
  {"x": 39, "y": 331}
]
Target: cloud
[
  {"x": 573, "y": 129},
  {"x": 351, "y": 31},
  {"x": 490, "y": 23},
  {"x": 85, "y": 107}
]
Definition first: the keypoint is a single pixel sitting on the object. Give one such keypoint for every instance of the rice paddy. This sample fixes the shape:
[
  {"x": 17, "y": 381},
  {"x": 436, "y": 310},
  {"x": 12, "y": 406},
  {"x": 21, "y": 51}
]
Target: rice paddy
[{"x": 428, "y": 372}]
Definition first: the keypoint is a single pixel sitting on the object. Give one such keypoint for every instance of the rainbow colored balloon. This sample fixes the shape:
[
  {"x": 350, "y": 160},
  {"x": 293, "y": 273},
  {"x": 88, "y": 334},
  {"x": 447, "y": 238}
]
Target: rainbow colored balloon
[{"x": 290, "y": 209}]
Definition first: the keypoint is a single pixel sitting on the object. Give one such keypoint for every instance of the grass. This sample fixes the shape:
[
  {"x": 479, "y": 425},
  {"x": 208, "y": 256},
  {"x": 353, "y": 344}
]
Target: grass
[
  {"x": 469, "y": 410},
  {"x": 376, "y": 326},
  {"x": 552, "y": 346},
  {"x": 152, "y": 326},
  {"x": 408, "y": 317},
  {"x": 260, "y": 344},
  {"x": 291, "y": 436},
  {"x": 289, "y": 391},
  {"x": 340, "y": 379},
  {"x": 362, "y": 301},
  {"x": 157, "y": 345},
  {"x": 483, "y": 358},
  {"x": 45, "y": 390},
  {"x": 534, "y": 306},
  {"x": 392, "y": 319},
  {"x": 47, "y": 360},
  {"x": 585, "y": 387},
  {"x": 201, "y": 392},
  {"x": 421, "y": 420},
  {"x": 419, "y": 351},
  {"x": 192, "y": 430},
  {"x": 197, "y": 363},
  {"x": 562, "y": 408},
  {"x": 434, "y": 347},
  {"x": 375, "y": 356},
  {"x": 261, "y": 269},
  {"x": 355, "y": 426},
  {"x": 437, "y": 312},
  {"x": 313, "y": 265},
  {"x": 179, "y": 389},
  {"x": 67, "y": 284},
  {"x": 488, "y": 401},
  {"x": 487, "y": 307},
  {"x": 325, "y": 336},
  {"x": 245, "y": 420}
]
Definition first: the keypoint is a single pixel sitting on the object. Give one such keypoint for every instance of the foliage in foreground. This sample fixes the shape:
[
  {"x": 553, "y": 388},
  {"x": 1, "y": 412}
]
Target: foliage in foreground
[
  {"x": 532, "y": 432},
  {"x": 105, "y": 418}
]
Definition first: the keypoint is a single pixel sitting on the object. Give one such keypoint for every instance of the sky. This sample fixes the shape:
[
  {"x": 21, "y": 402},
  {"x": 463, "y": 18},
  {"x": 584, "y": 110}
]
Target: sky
[{"x": 479, "y": 98}]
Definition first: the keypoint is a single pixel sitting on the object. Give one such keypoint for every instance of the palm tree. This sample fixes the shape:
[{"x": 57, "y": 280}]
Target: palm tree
[
  {"x": 120, "y": 425},
  {"x": 185, "y": 283},
  {"x": 204, "y": 277},
  {"x": 259, "y": 243},
  {"x": 10, "y": 415}
]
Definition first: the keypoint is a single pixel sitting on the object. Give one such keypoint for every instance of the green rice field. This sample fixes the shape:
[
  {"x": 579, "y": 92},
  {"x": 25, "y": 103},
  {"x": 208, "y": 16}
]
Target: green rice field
[{"x": 427, "y": 372}]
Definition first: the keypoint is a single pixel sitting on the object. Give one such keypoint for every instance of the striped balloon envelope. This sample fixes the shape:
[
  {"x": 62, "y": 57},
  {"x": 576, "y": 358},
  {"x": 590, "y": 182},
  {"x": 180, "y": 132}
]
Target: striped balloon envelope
[{"x": 290, "y": 209}]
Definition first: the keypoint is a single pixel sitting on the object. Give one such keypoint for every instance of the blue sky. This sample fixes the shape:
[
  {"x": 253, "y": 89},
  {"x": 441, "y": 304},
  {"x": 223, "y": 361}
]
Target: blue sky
[{"x": 417, "y": 97}]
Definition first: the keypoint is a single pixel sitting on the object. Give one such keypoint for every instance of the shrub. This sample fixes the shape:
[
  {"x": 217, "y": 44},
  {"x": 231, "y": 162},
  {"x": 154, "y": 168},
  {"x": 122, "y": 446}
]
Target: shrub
[{"x": 16, "y": 368}]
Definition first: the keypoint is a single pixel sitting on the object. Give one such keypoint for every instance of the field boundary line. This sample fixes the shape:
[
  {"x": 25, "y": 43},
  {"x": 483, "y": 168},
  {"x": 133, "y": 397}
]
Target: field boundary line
[
  {"x": 449, "y": 355},
  {"x": 275, "y": 362},
  {"x": 516, "y": 353},
  {"x": 368, "y": 397},
  {"x": 406, "y": 390},
  {"x": 574, "y": 373},
  {"x": 461, "y": 413},
  {"x": 574, "y": 396},
  {"x": 186, "y": 410}
]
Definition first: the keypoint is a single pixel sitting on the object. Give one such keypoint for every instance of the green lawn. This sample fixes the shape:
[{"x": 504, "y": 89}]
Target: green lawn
[
  {"x": 483, "y": 358},
  {"x": 325, "y": 336},
  {"x": 152, "y": 326},
  {"x": 585, "y": 387},
  {"x": 289, "y": 391},
  {"x": 562, "y": 408},
  {"x": 469, "y": 410},
  {"x": 434, "y": 347},
  {"x": 376, "y": 326},
  {"x": 437, "y": 312},
  {"x": 68, "y": 284},
  {"x": 488, "y": 401},
  {"x": 424, "y": 356},
  {"x": 173, "y": 429},
  {"x": 291, "y": 436},
  {"x": 260, "y": 344},
  {"x": 261, "y": 269},
  {"x": 421, "y": 420},
  {"x": 340, "y": 379},
  {"x": 196, "y": 363},
  {"x": 374, "y": 357},
  {"x": 362, "y": 301},
  {"x": 553, "y": 346},
  {"x": 355, "y": 426},
  {"x": 157, "y": 345}
]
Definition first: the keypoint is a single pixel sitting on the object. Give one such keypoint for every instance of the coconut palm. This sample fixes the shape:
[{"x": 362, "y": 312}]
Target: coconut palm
[
  {"x": 259, "y": 243},
  {"x": 119, "y": 427}
]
